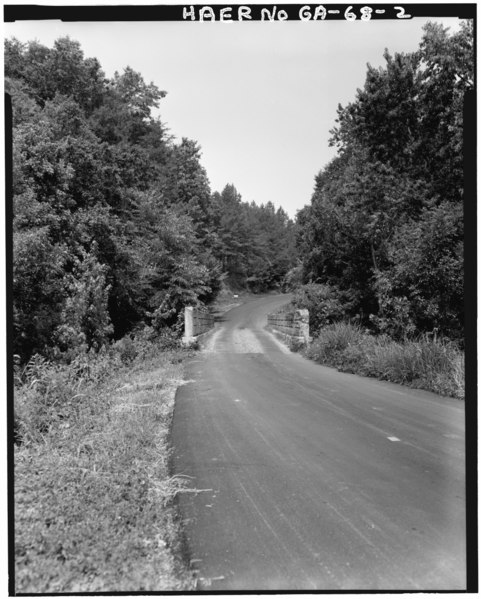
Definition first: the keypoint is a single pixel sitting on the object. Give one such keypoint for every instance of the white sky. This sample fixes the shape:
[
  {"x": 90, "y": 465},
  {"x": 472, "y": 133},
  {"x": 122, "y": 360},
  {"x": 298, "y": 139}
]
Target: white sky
[{"x": 259, "y": 97}]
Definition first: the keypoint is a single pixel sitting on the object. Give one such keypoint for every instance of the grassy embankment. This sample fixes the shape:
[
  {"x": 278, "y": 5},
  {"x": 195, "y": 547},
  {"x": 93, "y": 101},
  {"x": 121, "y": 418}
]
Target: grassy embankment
[
  {"x": 94, "y": 506},
  {"x": 427, "y": 363}
]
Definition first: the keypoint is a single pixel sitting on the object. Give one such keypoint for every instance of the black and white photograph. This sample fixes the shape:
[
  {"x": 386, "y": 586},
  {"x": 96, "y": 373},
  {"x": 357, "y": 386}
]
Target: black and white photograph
[{"x": 241, "y": 298}]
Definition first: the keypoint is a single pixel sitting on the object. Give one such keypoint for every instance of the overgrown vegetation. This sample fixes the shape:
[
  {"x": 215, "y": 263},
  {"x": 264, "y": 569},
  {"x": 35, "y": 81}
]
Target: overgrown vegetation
[
  {"x": 384, "y": 231},
  {"x": 93, "y": 493},
  {"x": 426, "y": 363},
  {"x": 381, "y": 244},
  {"x": 115, "y": 225},
  {"x": 326, "y": 304}
]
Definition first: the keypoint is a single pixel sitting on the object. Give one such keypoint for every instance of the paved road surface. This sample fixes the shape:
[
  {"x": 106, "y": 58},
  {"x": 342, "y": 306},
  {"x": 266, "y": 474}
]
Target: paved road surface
[{"x": 313, "y": 479}]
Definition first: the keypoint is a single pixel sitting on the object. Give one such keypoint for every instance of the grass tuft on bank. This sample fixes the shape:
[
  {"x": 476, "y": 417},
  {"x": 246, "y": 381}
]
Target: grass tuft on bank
[
  {"x": 426, "y": 363},
  {"x": 94, "y": 508}
]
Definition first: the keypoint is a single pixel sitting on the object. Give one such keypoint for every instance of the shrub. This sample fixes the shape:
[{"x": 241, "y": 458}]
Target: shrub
[
  {"x": 127, "y": 349},
  {"x": 85, "y": 317},
  {"x": 326, "y": 304},
  {"x": 296, "y": 345},
  {"x": 48, "y": 392},
  {"x": 333, "y": 341},
  {"x": 292, "y": 279}
]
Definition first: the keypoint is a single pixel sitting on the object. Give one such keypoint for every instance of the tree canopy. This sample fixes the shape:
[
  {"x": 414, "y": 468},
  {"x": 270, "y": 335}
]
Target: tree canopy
[
  {"x": 115, "y": 225},
  {"x": 385, "y": 223}
]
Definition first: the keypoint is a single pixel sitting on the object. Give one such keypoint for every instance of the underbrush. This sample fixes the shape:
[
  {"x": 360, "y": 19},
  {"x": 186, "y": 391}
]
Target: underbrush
[
  {"x": 426, "y": 363},
  {"x": 93, "y": 495}
]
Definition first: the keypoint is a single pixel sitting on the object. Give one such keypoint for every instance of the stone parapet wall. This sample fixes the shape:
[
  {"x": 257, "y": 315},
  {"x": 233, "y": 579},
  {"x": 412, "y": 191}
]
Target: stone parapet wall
[
  {"x": 196, "y": 323},
  {"x": 293, "y": 324},
  {"x": 202, "y": 322}
]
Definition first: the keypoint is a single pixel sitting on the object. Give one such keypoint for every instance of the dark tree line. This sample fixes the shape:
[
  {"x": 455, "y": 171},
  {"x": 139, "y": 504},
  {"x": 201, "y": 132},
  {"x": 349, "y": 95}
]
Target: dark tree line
[
  {"x": 384, "y": 229},
  {"x": 115, "y": 225},
  {"x": 256, "y": 244}
]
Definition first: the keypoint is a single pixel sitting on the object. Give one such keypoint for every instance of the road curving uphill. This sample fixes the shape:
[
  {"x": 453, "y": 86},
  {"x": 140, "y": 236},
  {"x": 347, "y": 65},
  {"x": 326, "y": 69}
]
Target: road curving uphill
[{"x": 311, "y": 479}]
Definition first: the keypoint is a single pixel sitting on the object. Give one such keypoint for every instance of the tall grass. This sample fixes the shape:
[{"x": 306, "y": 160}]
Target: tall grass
[
  {"x": 426, "y": 363},
  {"x": 93, "y": 493}
]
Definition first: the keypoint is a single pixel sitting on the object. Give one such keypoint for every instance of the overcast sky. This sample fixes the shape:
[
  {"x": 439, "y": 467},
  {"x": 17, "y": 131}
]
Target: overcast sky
[{"x": 259, "y": 97}]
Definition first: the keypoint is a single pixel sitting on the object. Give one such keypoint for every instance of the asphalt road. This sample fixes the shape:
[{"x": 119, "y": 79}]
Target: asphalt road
[{"x": 308, "y": 478}]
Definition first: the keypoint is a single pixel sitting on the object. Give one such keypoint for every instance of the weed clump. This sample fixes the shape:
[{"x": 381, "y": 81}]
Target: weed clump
[
  {"x": 93, "y": 492},
  {"x": 296, "y": 345},
  {"x": 427, "y": 362}
]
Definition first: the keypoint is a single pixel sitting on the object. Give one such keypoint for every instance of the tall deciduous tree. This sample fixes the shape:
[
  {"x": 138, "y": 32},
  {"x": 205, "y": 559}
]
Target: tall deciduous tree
[
  {"x": 373, "y": 224},
  {"x": 114, "y": 223}
]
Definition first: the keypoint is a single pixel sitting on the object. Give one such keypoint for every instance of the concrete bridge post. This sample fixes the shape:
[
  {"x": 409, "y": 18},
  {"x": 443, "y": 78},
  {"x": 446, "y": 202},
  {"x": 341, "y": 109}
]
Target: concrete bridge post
[
  {"x": 302, "y": 320},
  {"x": 188, "y": 324}
]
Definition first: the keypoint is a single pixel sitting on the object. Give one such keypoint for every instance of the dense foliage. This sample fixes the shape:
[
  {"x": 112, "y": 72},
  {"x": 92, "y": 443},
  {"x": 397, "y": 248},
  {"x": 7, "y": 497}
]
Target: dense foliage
[
  {"x": 425, "y": 363},
  {"x": 115, "y": 224},
  {"x": 385, "y": 225},
  {"x": 256, "y": 244}
]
